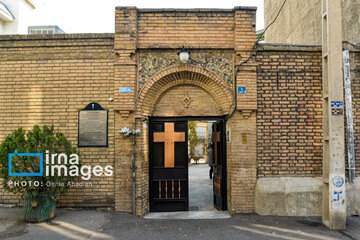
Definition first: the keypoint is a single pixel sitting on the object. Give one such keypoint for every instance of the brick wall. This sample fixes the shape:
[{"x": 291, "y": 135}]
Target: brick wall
[
  {"x": 186, "y": 100},
  {"x": 241, "y": 157},
  {"x": 46, "y": 80},
  {"x": 195, "y": 28},
  {"x": 289, "y": 119}
]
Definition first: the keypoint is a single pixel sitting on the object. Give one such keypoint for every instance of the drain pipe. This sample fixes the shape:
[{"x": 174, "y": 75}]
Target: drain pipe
[
  {"x": 133, "y": 164},
  {"x": 349, "y": 117}
]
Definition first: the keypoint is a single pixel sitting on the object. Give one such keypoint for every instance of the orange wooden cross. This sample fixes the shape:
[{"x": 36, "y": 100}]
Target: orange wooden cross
[{"x": 169, "y": 137}]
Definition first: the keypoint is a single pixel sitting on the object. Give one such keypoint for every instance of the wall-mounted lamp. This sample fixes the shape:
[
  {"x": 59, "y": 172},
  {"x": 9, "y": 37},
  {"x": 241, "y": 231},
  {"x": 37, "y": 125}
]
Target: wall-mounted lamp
[{"x": 184, "y": 55}]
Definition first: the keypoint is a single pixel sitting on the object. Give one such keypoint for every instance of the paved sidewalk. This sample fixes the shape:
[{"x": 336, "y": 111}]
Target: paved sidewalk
[
  {"x": 200, "y": 188},
  {"x": 92, "y": 224}
]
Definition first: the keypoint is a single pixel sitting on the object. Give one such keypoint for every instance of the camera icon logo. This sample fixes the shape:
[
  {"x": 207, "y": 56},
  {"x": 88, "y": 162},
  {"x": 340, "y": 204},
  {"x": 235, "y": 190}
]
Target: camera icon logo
[{"x": 25, "y": 174}]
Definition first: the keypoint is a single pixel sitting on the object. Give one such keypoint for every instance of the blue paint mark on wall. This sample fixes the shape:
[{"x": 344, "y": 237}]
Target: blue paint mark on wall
[
  {"x": 338, "y": 181},
  {"x": 337, "y": 196}
]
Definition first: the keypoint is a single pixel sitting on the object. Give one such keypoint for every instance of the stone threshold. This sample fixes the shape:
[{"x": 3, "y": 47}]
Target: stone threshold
[{"x": 189, "y": 215}]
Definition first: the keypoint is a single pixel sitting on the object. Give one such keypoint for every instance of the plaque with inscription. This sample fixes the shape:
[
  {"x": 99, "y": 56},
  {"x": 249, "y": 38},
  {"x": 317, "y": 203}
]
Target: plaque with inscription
[{"x": 93, "y": 126}]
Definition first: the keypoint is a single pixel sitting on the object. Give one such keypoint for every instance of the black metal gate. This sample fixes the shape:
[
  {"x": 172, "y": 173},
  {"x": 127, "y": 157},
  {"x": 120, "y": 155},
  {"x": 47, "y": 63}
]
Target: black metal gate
[{"x": 168, "y": 166}]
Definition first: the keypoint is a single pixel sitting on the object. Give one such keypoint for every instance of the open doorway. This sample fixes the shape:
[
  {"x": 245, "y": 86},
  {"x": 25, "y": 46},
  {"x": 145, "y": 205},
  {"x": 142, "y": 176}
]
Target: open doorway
[{"x": 201, "y": 159}]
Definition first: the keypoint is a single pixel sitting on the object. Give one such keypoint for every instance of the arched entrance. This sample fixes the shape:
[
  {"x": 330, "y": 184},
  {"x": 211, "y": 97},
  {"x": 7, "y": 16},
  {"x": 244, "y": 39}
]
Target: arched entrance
[
  {"x": 170, "y": 99},
  {"x": 202, "y": 85}
]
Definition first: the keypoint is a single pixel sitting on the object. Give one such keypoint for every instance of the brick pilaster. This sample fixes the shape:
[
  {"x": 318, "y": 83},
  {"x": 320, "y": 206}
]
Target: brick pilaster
[
  {"x": 245, "y": 37},
  {"x": 125, "y": 58}
]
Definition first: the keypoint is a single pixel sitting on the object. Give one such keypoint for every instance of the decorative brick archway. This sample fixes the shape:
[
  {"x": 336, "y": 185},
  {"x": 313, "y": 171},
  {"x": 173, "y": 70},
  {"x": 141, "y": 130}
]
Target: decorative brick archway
[
  {"x": 185, "y": 74},
  {"x": 142, "y": 31},
  {"x": 154, "y": 90}
]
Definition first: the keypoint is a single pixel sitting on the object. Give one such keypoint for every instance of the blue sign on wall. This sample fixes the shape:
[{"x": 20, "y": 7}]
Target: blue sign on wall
[
  {"x": 125, "y": 90},
  {"x": 337, "y": 104},
  {"x": 241, "y": 90}
]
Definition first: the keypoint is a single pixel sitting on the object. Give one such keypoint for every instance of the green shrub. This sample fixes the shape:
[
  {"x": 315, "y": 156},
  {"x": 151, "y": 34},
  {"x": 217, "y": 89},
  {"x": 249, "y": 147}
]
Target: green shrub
[{"x": 38, "y": 140}]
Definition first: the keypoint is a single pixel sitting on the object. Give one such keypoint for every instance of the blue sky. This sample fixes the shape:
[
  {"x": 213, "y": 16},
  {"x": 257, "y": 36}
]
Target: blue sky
[{"x": 97, "y": 16}]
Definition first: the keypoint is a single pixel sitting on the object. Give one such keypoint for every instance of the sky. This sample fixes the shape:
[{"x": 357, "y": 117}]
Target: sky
[{"x": 97, "y": 16}]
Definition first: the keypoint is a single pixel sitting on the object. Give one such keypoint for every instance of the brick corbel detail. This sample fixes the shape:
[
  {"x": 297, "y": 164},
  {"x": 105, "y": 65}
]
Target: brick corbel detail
[
  {"x": 124, "y": 114},
  {"x": 246, "y": 113}
]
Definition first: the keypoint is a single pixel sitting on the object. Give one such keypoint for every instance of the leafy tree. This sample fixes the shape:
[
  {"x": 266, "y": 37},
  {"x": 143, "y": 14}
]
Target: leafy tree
[
  {"x": 193, "y": 138},
  {"x": 38, "y": 140}
]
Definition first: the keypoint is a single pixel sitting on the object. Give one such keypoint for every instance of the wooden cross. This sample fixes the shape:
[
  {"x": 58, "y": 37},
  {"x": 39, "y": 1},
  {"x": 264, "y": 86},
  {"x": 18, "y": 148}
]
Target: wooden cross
[
  {"x": 216, "y": 139},
  {"x": 169, "y": 137}
]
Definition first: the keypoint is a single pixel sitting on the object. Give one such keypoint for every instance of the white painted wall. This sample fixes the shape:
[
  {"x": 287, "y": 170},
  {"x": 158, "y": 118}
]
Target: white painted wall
[
  {"x": 26, "y": 17},
  {"x": 24, "y": 14}
]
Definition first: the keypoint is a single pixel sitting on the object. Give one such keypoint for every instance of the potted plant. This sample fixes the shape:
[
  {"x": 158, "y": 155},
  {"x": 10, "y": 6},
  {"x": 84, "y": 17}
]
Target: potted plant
[{"x": 39, "y": 188}]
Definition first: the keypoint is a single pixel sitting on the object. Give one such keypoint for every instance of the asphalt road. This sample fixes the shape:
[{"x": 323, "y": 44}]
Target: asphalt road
[{"x": 93, "y": 224}]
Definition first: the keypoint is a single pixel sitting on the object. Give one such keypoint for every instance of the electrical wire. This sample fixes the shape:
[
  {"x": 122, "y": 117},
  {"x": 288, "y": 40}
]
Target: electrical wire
[
  {"x": 251, "y": 55},
  {"x": 352, "y": 44}
]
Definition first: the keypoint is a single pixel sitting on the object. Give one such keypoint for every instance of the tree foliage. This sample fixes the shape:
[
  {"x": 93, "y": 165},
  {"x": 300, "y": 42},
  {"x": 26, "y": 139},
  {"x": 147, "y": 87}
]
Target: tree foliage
[
  {"x": 193, "y": 138},
  {"x": 38, "y": 140}
]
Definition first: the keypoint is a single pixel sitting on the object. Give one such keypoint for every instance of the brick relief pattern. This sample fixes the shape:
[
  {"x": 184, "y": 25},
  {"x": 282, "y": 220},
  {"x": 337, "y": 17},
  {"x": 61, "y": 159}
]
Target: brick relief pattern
[{"x": 219, "y": 62}]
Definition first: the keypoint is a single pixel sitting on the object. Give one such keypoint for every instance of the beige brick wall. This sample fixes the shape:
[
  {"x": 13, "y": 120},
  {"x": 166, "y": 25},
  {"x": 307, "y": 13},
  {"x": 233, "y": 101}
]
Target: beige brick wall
[
  {"x": 186, "y": 100},
  {"x": 46, "y": 80},
  {"x": 202, "y": 29},
  {"x": 241, "y": 157}
]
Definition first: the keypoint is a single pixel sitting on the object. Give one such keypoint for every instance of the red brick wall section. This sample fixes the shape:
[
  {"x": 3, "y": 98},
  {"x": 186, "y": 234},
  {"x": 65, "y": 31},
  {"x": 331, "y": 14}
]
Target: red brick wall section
[{"x": 289, "y": 119}]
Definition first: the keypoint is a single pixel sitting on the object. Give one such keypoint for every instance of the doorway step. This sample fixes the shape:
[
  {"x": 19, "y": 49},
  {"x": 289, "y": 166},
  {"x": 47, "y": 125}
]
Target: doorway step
[{"x": 189, "y": 215}]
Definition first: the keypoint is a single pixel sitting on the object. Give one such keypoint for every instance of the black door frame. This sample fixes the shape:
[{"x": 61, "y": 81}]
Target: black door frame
[{"x": 223, "y": 139}]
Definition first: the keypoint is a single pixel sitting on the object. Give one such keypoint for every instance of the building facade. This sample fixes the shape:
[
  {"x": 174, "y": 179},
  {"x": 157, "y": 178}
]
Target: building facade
[
  {"x": 266, "y": 105},
  {"x": 300, "y": 21},
  {"x": 17, "y": 15},
  {"x": 52, "y": 29}
]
